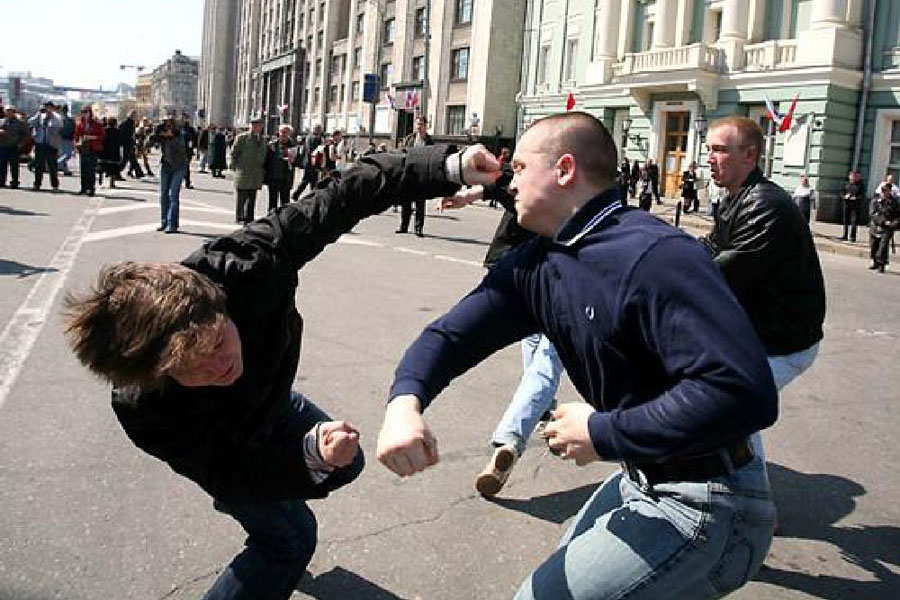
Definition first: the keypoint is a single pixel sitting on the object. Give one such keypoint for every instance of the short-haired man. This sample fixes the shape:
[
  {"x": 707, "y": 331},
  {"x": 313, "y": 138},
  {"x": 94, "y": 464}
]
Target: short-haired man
[
  {"x": 203, "y": 355},
  {"x": 851, "y": 201},
  {"x": 419, "y": 137},
  {"x": 47, "y": 127},
  {"x": 651, "y": 336},
  {"x": 13, "y": 133},
  {"x": 765, "y": 250}
]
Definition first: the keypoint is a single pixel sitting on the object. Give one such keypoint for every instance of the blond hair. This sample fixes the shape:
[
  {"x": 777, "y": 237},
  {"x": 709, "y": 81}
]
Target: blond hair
[{"x": 748, "y": 131}]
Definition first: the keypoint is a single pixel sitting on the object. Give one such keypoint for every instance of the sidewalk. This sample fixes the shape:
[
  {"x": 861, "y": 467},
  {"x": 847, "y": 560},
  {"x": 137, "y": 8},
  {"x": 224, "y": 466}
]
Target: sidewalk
[{"x": 825, "y": 235}]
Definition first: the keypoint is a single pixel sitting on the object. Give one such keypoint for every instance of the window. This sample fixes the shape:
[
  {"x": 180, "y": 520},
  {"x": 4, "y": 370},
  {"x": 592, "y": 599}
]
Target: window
[
  {"x": 321, "y": 13},
  {"x": 543, "y": 64},
  {"x": 337, "y": 66},
  {"x": 387, "y": 74},
  {"x": 463, "y": 12},
  {"x": 360, "y": 22},
  {"x": 893, "y": 167},
  {"x": 421, "y": 23},
  {"x": 354, "y": 91},
  {"x": 388, "y": 31},
  {"x": 418, "y": 67},
  {"x": 318, "y": 67},
  {"x": 357, "y": 52},
  {"x": 800, "y": 16},
  {"x": 309, "y": 44},
  {"x": 460, "y": 64},
  {"x": 571, "y": 58},
  {"x": 456, "y": 120},
  {"x": 332, "y": 94},
  {"x": 319, "y": 39}
]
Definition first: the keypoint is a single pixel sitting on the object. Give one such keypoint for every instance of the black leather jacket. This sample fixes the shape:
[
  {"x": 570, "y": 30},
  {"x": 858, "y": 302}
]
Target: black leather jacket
[
  {"x": 766, "y": 253},
  {"x": 237, "y": 441}
]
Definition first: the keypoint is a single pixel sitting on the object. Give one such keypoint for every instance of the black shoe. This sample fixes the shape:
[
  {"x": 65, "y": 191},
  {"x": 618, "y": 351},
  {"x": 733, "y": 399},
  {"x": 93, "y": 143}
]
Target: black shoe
[
  {"x": 36, "y": 188},
  {"x": 189, "y": 186},
  {"x": 14, "y": 186},
  {"x": 420, "y": 234},
  {"x": 852, "y": 240},
  {"x": 91, "y": 192},
  {"x": 161, "y": 228},
  {"x": 873, "y": 266},
  {"x": 401, "y": 231},
  {"x": 171, "y": 230},
  {"x": 81, "y": 193},
  {"x": 881, "y": 268},
  {"x": 56, "y": 190}
]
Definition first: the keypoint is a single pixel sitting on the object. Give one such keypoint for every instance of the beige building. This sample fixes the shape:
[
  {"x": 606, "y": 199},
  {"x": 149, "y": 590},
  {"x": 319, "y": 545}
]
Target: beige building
[
  {"x": 174, "y": 86},
  {"x": 216, "y": 80},
  {"x": 143, "y": 97},
  {"x": 456, "y": 61}
]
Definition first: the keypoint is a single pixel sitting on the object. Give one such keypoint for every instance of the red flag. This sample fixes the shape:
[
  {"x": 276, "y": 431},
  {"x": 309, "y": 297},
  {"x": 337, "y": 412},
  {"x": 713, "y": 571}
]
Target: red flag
[
  {"x": 786, "y": 121},
  {"x": 570, "y": 102}
]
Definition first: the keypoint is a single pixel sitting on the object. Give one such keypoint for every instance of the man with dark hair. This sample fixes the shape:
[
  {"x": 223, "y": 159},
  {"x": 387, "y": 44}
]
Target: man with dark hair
[
  {"x": 651, "y": 336},
  {"x": 47, "y": 127},
  {"x": 126, "y": 135},
  {"x": 419, "y": 137},
  {"x": 203, "y": 356},
  {"x": 853, "y": 198},
  {"x": 13, "y": 133}
]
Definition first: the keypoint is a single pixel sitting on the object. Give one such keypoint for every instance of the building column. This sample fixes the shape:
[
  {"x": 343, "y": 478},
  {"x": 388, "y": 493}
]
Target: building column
[
  {"x": 606, "y": 36},
  {"x": 828, "y": 13},
  {"x": 830, "y": 40},
  {"x": 664, "y": 24},
  {"x": 733, "y": 36}
]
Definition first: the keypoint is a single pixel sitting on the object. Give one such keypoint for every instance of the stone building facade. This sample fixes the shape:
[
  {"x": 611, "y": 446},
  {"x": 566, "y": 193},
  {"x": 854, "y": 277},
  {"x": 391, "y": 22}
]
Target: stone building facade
[
  {"x": 216, "y": 78},
  {"x": 663, "y": 69},
  {"x": 173, "y": 88}
]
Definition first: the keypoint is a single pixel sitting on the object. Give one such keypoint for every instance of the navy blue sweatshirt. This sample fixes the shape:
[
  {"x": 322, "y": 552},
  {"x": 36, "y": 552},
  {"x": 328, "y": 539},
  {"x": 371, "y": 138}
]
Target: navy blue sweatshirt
[{"x": 645, "y": 325}]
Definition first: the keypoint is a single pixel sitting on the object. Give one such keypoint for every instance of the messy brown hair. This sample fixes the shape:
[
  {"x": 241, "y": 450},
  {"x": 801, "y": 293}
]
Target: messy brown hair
[{"x": 143, "y": 319}]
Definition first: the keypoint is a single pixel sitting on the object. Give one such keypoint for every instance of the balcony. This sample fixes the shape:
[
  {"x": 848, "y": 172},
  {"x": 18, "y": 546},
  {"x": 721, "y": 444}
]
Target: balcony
[
  {"x": 698, "y": 56},
  {"x": 773, "y": 54}
]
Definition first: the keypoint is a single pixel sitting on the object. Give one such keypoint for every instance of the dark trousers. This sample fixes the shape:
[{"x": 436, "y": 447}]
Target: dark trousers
[
  {"x": 281, "y": 536},
  {"x": 851, "y": 216},
  {"x": 187, "y": 174},
  {"x": 87, "y": 165},
  {"x": 623, "y": 194},
  {"x": 654, "y": 184},
  {"x": 645, "y": 201},
  {"x": 880, "y": 245},
  {"x": 279, "y": 194},
  {"x": 129, "y": 159},
  {"x": 310, "y": 177},
  {"x": 45, "y": 158},
  {"x": 406, "y": 212},
  {"x": 9, "y": 162},
  {"x": 245, "y": 206},
  {"x": 691, "y": 203}
]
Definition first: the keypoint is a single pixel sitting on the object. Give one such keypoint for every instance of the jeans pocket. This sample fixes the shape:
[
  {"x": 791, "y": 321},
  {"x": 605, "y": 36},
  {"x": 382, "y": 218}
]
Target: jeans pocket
[{"x": 745, "y": 549}]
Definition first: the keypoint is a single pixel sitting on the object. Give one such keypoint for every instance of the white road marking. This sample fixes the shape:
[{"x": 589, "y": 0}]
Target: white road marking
[
  {"x": 111, "y": 210},
  {"x": 355, "y": 241},
  {"x": 410, "y": 251},
  {"x": 26, "y": 324},
  {"x": 108, "y": 234},
  {"x": 457, "y": 260}
]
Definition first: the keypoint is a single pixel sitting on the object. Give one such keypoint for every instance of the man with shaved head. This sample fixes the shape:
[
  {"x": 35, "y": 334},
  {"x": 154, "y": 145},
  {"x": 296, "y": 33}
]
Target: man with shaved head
[{"x": 673, "y": 375}]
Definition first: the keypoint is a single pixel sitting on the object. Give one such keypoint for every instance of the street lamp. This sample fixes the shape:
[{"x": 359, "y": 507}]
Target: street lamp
[
  {"x": 700, "y": 125},
  {"x": 626, "y": 125}
]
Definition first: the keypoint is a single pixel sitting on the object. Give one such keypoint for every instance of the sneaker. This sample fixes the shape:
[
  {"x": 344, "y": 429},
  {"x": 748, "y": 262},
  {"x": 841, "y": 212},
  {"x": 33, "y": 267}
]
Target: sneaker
[{"x": 491, "y": 480}]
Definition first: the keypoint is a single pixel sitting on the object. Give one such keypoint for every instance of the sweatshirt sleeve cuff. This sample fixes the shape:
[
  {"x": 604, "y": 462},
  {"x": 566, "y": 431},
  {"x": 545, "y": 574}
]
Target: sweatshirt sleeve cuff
[
  {"x": 600, "y": 430},
  {"x": 319, "y": 470},
  {"x": 403, "y": 387}
]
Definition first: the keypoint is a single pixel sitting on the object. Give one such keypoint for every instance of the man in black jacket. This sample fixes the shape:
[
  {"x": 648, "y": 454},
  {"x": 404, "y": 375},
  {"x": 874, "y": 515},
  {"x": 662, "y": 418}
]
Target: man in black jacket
[
  {"x": 765, "y": 251},
  {"x": 854, "y": 194},
  {"x": 126, "y": 136},
  {"x": 203, "y": 354},
  {"x": 419, "y": 137}
]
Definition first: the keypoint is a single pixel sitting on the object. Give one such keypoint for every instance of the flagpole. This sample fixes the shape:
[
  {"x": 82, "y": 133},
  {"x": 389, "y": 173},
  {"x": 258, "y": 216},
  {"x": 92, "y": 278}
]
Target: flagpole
[{"x": 770, "y": 149}]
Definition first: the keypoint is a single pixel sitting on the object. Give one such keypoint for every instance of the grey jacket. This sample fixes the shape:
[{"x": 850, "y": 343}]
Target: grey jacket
[{"x": 47, "y": 129}]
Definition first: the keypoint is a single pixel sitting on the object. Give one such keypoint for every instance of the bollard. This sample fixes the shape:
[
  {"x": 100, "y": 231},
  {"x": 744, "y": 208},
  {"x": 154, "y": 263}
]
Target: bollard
[{"x": 678, "y": 213}]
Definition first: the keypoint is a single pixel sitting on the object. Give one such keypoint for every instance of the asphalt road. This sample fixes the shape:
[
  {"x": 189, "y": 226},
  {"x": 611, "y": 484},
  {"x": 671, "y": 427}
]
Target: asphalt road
[{"x": 85, "y": 515}]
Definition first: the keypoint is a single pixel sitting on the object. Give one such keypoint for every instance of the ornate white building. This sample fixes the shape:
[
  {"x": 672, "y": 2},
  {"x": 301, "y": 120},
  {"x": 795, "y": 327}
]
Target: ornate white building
[{"x": 173, "y": 88}]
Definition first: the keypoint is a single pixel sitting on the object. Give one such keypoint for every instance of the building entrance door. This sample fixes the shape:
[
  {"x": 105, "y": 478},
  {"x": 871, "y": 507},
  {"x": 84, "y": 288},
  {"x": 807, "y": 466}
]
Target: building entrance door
[{"x": 675, "y": 161}]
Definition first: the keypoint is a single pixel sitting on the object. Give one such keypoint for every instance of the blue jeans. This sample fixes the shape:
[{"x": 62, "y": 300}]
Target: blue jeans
[
  {"x": 281, "y": 536},
  {"x": 785, "y": 369},
  {"x": 169, "y": 192},
  {"x": 66, "y": 151},
  {"x": 684, "y": 541},
  {"x": 535, "y": 394}
]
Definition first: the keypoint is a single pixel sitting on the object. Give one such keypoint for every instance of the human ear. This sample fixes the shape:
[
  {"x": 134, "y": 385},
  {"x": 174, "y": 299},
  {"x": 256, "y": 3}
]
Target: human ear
[{"x": 565, "y": 170}]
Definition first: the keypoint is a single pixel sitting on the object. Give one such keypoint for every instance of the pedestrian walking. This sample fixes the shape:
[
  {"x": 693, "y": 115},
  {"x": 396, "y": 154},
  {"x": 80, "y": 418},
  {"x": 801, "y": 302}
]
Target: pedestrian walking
[
  {"x": 645, "y": 191},
  {"x": 173, "y": 163},
  {"x": 203, "y": 149},
  {"x": 67, "y": 141},
  {"x": 673, "y": 376},
  {"x": 127, "y": 129},
  {"x": 419, "y": 137},
  {"x": 635, "y": 178},
  {"x": 851, "y": 200},
  {"x": 110, "y": 160},
  {"x": 689, "y": 189},
  {"x": 46, "y": 128},
  {"x": 142, "y": 144},
  {"x": 13, "y": 134},
  {"x": 312, "y": 155},
  {"x": 218, "y": 150},
  {"x": 884, "y": 216},
  {"x": 247, "y": 157},
  {"x": 281, "y": 160},
  {"x": 89, "y": 135},
  {"x": 805, "y": 198},
  {"x": 653, "y": 174}
]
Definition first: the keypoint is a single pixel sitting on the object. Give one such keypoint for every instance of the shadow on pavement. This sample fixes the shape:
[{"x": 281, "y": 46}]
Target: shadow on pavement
[
  {"x": 18, "y": 212},
  {"x": 11, "y": 267},
  {"x": 121, "y": 197},
  {"x": 458, "y": 240},
  {"x": 555, "y": 507},
  {"x": 343, "y": 584},
  {"x": 809, "y": 507}
]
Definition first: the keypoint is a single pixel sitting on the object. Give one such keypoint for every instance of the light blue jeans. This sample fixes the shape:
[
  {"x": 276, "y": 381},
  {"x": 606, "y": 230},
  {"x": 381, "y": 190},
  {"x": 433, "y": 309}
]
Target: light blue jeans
[
  {"x": 683, "y": 541},
  {"x": 785, "y": 369},
  {"x": 66, "y": 151},
  {"x": 169, "y": 194},
  {"x": 535, "y": 394}
]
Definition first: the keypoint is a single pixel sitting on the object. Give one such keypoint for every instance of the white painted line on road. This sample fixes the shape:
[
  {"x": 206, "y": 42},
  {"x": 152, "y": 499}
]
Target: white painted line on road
[
  {"x": 111, "y": 210},
  {"x": 21, "y": 332},
  {"x": 147, "y": 227},
  {"x": 410, "y": 251},
  {"x": 457, "y": 260},
  {"x": 355, "y": 241}
]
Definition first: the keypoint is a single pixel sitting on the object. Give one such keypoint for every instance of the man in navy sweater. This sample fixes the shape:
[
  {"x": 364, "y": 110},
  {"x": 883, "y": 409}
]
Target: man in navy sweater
[{"x": 674, "y": 376}]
